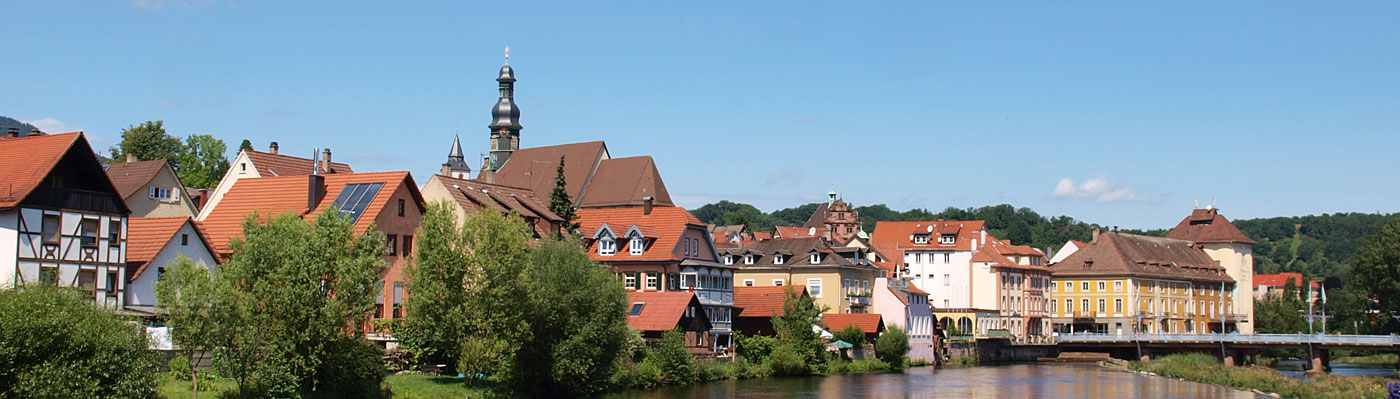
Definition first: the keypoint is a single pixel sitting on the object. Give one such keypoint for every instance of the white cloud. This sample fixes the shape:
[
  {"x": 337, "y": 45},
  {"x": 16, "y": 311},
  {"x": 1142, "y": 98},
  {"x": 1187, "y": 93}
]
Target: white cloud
[
  {"x": 791, "y": 177},
  {"x": 49, "y": 125},
  {"x": 1101, "y": 190},
  {"x": 153, "y": 5}
]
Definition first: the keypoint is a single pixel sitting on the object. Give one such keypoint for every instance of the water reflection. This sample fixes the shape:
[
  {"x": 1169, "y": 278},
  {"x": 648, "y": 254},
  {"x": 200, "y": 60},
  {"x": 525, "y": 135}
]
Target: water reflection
[
  {"x": 1012, "y": 381},
  {"x": 1294, "y": 368}
]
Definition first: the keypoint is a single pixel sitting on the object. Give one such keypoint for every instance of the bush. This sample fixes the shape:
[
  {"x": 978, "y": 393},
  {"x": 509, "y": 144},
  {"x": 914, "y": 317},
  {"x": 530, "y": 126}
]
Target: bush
[
  {"x": 856, "y": 366},
  {"x": 711, "y": 371},
  {"x": 677, "y": 366},
  {"x": 55, "y": 343},
  {"x": 755, "y": 348},
  {"x": 178, "y": 368},
  {"x": 648, "y": 375},
  {"x": 354, "y": 368},
  {"x": 785, "y": 361},
  {"x": 483, "y": 360},
  {"x": 891, "y": 346},
  {"x": 743, "y": 369},
  {"x": 852, "y": 335}
]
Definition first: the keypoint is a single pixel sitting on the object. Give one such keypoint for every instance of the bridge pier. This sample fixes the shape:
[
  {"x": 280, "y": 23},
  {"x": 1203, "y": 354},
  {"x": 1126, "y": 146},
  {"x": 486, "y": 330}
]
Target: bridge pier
[
  {"x": 1228, "y": 357},
  {"x": 1319, "y": 360}
]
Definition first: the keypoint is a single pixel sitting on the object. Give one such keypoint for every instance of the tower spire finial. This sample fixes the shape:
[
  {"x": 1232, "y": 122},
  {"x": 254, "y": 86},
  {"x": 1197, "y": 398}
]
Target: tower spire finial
[{"x": 507, "y": 53}]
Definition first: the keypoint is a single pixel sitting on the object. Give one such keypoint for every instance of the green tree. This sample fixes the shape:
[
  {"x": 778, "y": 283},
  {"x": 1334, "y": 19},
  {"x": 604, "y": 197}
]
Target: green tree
[
  {"x": 202, "y": 161},
  {"x": 1379, "y": 260},
  {"x": 495, "y": 247},
  {"x": 578, "y": 322},
  {"x": 677, "y": 365},
  {"x": 187, "y": 292},
  {"x": 305, "y": 288},
  {"x": 245, "y": 146},
  {"x": 55, "y": 344},
  {"x": 892, "y": 346},
  {"x": 853, "y": 335},
  {"x": 794, "y": 330},
  {"x": 148, "y": 141},
  {"x": 559, "y": 201},
  {"x": 437, "y": 275}
]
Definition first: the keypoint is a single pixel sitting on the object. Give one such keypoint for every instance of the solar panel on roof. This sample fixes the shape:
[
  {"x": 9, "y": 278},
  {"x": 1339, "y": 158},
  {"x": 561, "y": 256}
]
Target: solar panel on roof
[{"x": 353, "y": 200}]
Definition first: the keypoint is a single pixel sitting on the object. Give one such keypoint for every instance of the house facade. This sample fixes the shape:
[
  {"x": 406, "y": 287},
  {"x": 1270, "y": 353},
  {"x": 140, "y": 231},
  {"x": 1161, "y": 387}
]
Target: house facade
[
  {"x": 663, "y": 249},
  {"x": 150, "y": 188},
  {"x": 653, "y": 313},
  {"x": 250, "y": 164},
  {"x": 838, "y": 283},
  {"x": 902, "y": 304},
  {"x": 1014, "y": 280},
  {"x": 1272, "y": 285},
  {"x": 153, "y": 244},
  {"x": 1230, "y": 248},
  {"x": 62, "y": 222},
  {"x": 1124, "y": 283},
  {"x": 754, "y": 307}
]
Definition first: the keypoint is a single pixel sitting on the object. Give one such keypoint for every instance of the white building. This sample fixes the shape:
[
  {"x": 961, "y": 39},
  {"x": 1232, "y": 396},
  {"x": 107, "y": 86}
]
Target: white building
[
  {"x": 153, "y": 245},
  {"x": 1067, "y": 250},
  {"x": 61, "y": 220}
]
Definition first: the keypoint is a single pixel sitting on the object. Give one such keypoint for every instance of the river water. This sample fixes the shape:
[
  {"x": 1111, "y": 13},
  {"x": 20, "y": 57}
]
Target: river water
[
  {"x": 1010, "y": 381},
  {"x": 1294, "y": 368}
]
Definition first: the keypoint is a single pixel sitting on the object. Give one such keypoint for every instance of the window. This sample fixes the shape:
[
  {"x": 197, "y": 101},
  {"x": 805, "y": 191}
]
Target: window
[
  {"x": 398, "y": 299},
  {"x": 112, "y": 283},
  {"x": 814, "y": 287},
  {"x": 607, "y": 246},
  {"x": 379, "y": 301},
  {"x": 687, "y": 246},
  {"x": 114, "y": 233},
  {"x": 919, "y": 258},
  {"x": 846, "y": 286},
  {"x": 728, "y": 259},
  {"x": 689, "y": 280},
  {"x": 48, "y": 275},
  {"x": 651, "y": 281},
  {"x": 816, "y": 257},
  {"x": 865, "y": 286},
  {"x": 947, "y": 239},
  {"x": 407, "y": 245},
  {"x": 1084, "y": 305},
  {"x": 159, "y": 193},
  {"x": 629, "y": 280},
  {"x": 391, "y": 244},
  {"x": 635, "y": 246},
  {"x": 947, "y": 258},
  {"x": 947, "y": 280},
  {"x": 748, "y": 282},
  {"x": 1118, "y": 306},
  {"x": 1069, "y": 305},
  {"x": 400, "y": 207},
  {"x": 777, "y": 282},
  {"x": 184, "y": 239},
  {"x": 243, "y": 166},
  {"x": 921, "y": 238},
  {"x": 636, "y": 309},
  {"x": 748, "y": 259},
  {"x": 87, "y": 280},
  {"x": 1084, "y": 286},
  {"x": 1102, "y": 306},
  {"x": 945, "y": 304},
  {"x": 778, "y": 259},
  {"x": 87, "y": 231},
  {"x": 354, "y": 198},
  {"x": 1101, "y": 286},
  {"x": 1118, "y": 286},
  {"x": 1069, "y": 286}
]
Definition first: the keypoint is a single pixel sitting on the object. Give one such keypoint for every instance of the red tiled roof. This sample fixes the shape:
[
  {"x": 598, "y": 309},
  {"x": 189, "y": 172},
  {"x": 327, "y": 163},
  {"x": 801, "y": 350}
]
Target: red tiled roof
[
  {"x": 1208, "y": 225},
  {"x": 795, "y": 231},
  {"x": 1281, "y": 279},
  {"x": 868, "y": 322},
  {"x": 129, "y": 177},
  {"x": 270, "y": 196},
  {"x": 270, "y": 165},
  {"x": 762, "y": 301},
  {"x": 623, "y": 182},
  {"x": 913, "y": 289},
  {"x": 536, "y": 167},
  {"x": 1123, "y": 254},
  {"x": 899, "y": 235},
  {"x": 997, "y": 253},
  {"x": 146, "y": 237},
  {"x": 661, "y": 310},
  {"x": 26, "y": 161},
  {"x": 898, "y": 295},
  {"x": 762, "y": 235},
  {"x": 474, "y": 195},
  {"x": 668, "y": 223}
]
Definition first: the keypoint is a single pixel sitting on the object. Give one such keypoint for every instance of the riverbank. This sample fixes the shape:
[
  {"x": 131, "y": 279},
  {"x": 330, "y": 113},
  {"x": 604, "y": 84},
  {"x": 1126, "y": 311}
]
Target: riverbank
[
  {"x": 1206, "y": 369},
  {"x": 403, "y": 386}
]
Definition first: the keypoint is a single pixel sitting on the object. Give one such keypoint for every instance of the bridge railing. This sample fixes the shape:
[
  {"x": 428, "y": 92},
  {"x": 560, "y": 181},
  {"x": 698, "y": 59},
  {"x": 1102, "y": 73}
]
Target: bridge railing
[{"x": 1317, "y": 339}]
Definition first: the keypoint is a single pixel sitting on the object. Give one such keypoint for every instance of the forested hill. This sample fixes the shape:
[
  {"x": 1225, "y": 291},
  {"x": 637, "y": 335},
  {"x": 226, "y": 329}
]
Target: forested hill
[{"x": 1318, "y": 246}]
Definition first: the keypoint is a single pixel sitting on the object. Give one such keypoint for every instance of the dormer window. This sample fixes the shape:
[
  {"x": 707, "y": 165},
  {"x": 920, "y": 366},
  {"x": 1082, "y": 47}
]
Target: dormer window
[
  {"x": 607, "y": 246},
  {"x": 948, "y": 239},
  {"x": 748, "y": 259},
  {"x": 921, "y": 238},
  {"x": 728, "y": 259},
  {"x": 635, "y": 246},
  {"x": 816, "y": 257},
  {"x": 778, "y": 259},
  {"x": 160, "y": 193}
]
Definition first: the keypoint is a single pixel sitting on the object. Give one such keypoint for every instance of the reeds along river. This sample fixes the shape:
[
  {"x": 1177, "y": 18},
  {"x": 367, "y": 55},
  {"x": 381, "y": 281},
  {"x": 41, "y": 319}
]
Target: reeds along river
[{"x": 1010, "y": 381}]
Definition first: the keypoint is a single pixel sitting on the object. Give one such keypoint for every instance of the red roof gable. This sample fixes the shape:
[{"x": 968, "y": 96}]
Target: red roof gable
[
  {"x": 146, "y": 237},
  {"x": 661, "y": 311},
  {"x": 665, "y": 224},
  {"x": 271, "y": 165},
  {"x": 1281, "y": 279},
  {"x": 1208, "y": 225},
  {"x": 762, "y": 301},
  {"x": 130, "y": 177},
  {"x": 868, "y": 322},
  {"x": 26, "y": 161}
]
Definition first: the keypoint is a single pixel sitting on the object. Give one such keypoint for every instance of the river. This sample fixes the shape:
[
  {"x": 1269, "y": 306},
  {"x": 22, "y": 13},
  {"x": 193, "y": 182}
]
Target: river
[
  {"x": 1008, "y": 381},
  {"x": 1294, "y": 368}
]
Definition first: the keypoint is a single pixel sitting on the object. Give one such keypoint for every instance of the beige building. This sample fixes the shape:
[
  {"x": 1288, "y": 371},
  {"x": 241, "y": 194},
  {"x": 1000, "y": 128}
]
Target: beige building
[
  {"x": 471, "y": 195},
  {"x": 1230, "y": 248},
  {"x": 150, "y": 188},
  {"x": 839, "y": 283},
  {"x": 254, "y": 164}
]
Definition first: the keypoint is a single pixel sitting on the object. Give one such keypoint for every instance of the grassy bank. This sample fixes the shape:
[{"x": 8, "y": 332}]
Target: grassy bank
[
  {"x": 1385, "y": 359},
  {"x": 405, "y": 386},
  {"x": 1206, "y": 369}
]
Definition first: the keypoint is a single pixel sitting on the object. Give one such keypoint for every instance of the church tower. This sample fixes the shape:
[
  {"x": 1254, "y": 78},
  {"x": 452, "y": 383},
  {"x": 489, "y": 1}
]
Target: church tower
[
  {"x": 505, "y": 121},
  {"x": 456, "y": 165}
]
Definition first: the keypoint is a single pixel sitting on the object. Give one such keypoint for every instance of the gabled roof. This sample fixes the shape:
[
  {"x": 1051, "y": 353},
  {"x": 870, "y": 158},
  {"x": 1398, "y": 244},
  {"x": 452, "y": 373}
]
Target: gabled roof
[
  {"x": 269, "y": 165},
  {"x": 130, "y": 177},
  {"x": 868, "y": 322},
  {"x": 668, "y": 223},
  {"x": 270, "y": 196},
  {"x": 763, "y": 301},
  {"x": 818, "y": 218},
  {"x": 26, "y": 161},
  {"x": 624, "y": 182},
  {"x": 900, "y": 235},
  {"x": 1208, "y": 225},
  {"x": 796, "y": 251},
  {"x": 1281, "y": 279},
  {"x": 795, "y": 231},
  {"x": 661, "y": 311},
  {"x": 535, "y": 168},
  {"x": 473, "y": 195},
  {"x": 1122, "y": 254},
  {"x": 998, "y": 253},
  {"x": 146, "y": 237}
]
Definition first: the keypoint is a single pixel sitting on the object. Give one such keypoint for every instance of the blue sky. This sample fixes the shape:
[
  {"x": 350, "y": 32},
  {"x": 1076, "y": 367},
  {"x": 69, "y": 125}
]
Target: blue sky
[{"x": 1116, "y": 113}]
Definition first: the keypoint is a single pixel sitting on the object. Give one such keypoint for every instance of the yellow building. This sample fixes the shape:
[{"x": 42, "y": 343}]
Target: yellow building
[
  {"x": 840, "y": 284},
  {"x": 1125, "y": 283},
  {"x": 1230, "y": 248}
]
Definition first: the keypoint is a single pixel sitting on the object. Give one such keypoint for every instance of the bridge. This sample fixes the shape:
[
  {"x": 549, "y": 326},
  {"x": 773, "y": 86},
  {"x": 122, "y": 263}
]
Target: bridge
[{"x": 1230, "y": 347}]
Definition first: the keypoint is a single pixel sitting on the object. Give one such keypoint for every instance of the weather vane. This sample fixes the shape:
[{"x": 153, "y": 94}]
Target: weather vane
[{"x": 507, "y": 53}]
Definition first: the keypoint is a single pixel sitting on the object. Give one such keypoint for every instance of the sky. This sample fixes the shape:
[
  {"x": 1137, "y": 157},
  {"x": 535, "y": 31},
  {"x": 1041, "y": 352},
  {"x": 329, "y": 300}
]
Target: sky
[{"x": 1118, "y": 113}]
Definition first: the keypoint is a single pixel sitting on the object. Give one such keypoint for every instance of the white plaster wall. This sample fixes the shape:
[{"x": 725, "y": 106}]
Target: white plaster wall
[
  {"x": 9, "y": 248},
  {"x": 984, "y": 286},
  {"x": 1065, "y": 252},
  {"x": 235, "y": 171},
  {"x": 931, "y": 271},
  {"x": 142, "y": 291}
]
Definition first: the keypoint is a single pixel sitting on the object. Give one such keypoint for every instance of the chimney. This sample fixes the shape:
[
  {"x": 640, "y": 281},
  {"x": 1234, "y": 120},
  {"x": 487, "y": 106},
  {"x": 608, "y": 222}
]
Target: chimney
[
  {"x": 130, "y": 157},
  {"x": 646, "y": 206},
  {"x": 315, "y": 189},
  {"x": 13, "y": 133},
  {"x": 984, "y": 236},
  {"x": 1096, "y": 236},
  {"x": 272, "y": 148},
  {"x": 446, "y": 170},
  {"x": 326, "y": 160}
]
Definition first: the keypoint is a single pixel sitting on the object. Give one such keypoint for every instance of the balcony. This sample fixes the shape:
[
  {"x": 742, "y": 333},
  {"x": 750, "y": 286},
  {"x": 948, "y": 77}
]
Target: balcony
[
  {"x": 859, "y": 299},
  {"x": 1083, "y": 314}
]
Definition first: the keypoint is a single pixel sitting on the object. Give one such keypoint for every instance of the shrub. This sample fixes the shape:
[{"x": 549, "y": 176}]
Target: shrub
[
  {"x": 755, "y": 348},
  {"x": 677, "y": 366},
  {"x": 648, "y": 375},
  {"x": 785, "y": 361},
  {"x": 352, "y": 369},
  {"x": 55, "y": 343},
  {"x": 891, "y": 346},
  {"x": 178, "y": 368},
  {"x": 852, "y": 334},
  {"x": 741, "y": 368},
  {"x": 483, "y": 359},
  {"x": 711, "y": 371}
]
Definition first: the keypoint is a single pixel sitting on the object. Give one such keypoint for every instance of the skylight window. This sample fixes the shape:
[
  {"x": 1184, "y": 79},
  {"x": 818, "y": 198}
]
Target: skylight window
[
  {"x": 353, "y": 200},
  {"x": 636, "y": 309}
]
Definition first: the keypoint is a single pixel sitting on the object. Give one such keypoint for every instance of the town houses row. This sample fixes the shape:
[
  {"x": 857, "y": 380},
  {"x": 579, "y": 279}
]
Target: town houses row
[{"x": 68, "y": 219}]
